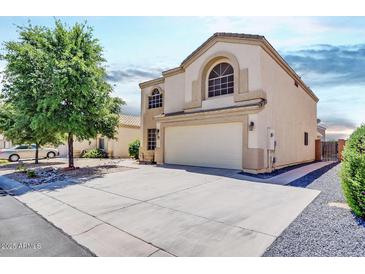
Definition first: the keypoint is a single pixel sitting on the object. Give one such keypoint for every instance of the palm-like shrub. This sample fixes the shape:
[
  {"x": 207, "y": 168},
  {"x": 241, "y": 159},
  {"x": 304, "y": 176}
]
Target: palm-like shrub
[{"x": 353, "y": 171}]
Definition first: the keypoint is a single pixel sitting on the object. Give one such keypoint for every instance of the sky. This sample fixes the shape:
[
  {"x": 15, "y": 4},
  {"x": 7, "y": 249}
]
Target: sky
[{"x": 327, "y": 52}]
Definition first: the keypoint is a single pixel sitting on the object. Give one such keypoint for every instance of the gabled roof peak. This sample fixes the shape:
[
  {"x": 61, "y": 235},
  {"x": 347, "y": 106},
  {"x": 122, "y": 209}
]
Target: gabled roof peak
[{"x": 223, "y": 35}]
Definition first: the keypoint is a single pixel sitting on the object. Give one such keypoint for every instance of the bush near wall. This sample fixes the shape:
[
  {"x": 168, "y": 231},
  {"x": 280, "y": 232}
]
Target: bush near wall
[
  {"x": 94, "y": 153},
  {"x": 353, "y": 171},
  {"x": 134, "y": 149}
]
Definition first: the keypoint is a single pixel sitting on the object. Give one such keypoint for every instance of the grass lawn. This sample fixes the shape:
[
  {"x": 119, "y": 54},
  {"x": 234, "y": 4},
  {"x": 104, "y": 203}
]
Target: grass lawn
[{"x": 2, "y": 162}]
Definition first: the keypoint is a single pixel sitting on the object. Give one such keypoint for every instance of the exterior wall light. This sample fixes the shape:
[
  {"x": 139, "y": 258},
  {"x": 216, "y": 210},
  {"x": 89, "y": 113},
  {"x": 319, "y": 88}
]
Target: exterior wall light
[{"x": 251, "y": 126}]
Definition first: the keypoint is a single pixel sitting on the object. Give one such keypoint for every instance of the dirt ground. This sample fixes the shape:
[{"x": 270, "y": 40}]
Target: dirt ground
[{"x": 49, "y": 170}]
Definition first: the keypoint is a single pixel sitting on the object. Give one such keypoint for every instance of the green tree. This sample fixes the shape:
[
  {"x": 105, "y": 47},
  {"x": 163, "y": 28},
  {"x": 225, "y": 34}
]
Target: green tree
[
  {"x": 79, "y": 102},
  {"x": 56, "y": 78},
  {"x": 17, "y": 128},
  {"x": 26, "y": 79}
]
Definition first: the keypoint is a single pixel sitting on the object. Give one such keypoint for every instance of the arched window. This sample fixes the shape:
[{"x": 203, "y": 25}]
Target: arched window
[
  {"x": 220, "y": 80},
  {"x": 155, "y": 100}
]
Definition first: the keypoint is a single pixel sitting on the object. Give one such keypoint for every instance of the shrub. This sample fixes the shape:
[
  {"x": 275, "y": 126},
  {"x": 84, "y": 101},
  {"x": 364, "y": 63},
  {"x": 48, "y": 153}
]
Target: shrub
[
  {"x": 134, "y": 149},
  {"x": 22, "y": 168},
  {"x": 353, "y": 171},
  {"x": 31, "y": 173},
  {"x": 94, "y": 153}
]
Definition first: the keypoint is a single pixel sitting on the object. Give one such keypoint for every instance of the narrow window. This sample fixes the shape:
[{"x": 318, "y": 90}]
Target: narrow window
[
  {"x": 151, "y": 139},
  {"x": 221, "y": 80},
  {"x": 155, "y": 100},
  {"x": 305, "y": 138},
  {"x": 296, "y": 84}
]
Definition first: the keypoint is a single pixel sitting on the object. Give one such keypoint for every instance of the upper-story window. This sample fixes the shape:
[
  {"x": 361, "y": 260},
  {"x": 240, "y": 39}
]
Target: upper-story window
[
  {"x": 220, "y": 80},
  {"x": 155, "y": 100}
]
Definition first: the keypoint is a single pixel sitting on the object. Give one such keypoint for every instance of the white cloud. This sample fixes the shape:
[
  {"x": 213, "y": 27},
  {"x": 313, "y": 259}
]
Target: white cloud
[{"x": 283, "y": 32}]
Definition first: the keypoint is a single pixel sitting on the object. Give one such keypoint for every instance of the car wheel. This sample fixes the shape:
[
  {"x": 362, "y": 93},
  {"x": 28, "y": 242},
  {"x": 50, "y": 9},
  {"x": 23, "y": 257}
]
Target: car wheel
[
  {"x": 51, "y": 155},
  {"x": 14, "y": 158}
]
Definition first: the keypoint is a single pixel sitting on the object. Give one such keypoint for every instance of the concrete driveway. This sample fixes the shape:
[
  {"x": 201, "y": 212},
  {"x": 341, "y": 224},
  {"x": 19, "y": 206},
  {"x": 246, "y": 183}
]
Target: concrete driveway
[{"x": 168, "y": 211}]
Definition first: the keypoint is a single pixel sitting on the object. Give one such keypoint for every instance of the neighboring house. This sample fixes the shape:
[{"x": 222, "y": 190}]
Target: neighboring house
[
  {"x": 78, "y": 147},
  {"x": 4, "y": 143},
  {"x": 233, "y": 103},
  {"x": 128, "y": 131},
  {"x": 321, "y": 132}
]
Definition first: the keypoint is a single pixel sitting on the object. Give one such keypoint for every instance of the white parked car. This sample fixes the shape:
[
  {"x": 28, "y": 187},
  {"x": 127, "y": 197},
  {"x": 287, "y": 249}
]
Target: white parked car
[{"x": 22, "y": 152}]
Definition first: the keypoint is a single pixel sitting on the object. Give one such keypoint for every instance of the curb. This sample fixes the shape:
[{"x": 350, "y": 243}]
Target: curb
[{"x": 13, "y": 187}]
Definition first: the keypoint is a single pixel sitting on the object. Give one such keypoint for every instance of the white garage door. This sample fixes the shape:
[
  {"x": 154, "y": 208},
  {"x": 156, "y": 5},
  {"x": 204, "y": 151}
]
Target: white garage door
[{"x": 213, "y": 145}]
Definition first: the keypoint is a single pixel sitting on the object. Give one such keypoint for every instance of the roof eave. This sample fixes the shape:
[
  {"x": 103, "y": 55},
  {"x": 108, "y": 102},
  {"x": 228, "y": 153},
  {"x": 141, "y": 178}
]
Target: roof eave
[{"x": 152, "y": 82}]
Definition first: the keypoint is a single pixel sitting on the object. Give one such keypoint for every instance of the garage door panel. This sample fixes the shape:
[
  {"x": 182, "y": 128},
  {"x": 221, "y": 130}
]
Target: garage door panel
[{"x": 213, "y": 145}]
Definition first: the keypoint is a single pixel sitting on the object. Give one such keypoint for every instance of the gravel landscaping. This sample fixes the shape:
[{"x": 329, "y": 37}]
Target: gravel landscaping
[
  {"x": 54, "y": 171},
  {"x": 326, "y": 227}
]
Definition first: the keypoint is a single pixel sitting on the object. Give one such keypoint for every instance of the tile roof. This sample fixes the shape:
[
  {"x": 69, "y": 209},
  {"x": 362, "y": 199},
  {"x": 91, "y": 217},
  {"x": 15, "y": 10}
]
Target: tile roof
[{"x": 130, "y": 120}]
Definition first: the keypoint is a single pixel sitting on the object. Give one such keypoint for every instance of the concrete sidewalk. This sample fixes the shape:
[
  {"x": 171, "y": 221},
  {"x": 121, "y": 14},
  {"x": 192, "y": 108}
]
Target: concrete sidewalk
[
  {"x": 289, "y": 176},
  {"x": 25, "y": 233}
]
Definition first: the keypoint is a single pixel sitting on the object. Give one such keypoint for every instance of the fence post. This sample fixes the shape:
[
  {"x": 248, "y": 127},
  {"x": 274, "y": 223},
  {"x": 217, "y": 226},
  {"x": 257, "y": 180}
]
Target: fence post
[{"x": 341, "y": 145}]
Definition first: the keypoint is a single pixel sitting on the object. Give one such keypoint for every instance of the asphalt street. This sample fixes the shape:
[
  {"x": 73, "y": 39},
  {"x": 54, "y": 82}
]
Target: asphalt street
[{"x": 23, "y": 233}]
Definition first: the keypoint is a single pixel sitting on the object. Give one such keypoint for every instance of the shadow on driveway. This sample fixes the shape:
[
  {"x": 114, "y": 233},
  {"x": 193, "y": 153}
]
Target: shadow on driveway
[{"x": 303, "y": 181}]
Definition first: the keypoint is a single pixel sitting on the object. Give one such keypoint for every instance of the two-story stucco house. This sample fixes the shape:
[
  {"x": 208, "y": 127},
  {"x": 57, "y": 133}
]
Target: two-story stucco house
[{"x": 233, "y": 103}]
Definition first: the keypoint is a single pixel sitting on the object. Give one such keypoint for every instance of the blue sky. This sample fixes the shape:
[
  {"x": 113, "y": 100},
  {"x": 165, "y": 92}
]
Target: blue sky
[{"x": 327, "y": 52}]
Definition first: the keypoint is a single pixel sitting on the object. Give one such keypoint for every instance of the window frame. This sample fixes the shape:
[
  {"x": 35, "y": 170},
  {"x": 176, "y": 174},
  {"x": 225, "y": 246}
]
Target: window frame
[
  {"x": 155, "y": 100},
  {"x": 151, "y": 138},
  {"x": 306, "y": 138},
  {"x": 229, "y": 82}
]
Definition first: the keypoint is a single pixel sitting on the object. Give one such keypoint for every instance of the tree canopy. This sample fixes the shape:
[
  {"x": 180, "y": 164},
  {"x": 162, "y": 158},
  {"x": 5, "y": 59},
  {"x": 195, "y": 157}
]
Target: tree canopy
[
  {"x": 24, "y": 83},
  {"x": 56, "y": 77}
]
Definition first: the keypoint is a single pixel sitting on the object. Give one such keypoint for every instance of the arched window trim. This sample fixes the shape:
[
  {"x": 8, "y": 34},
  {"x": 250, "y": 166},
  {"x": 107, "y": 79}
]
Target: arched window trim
[
  {"x": 155, "y": 100},
  {"x": 155, "y": 91},
  {"x": 221, "y": 84}
]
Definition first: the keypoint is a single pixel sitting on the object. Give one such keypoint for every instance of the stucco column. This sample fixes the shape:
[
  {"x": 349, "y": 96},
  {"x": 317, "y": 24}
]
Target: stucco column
[
  {"x": 159, "y": 151},
  {"x": 341, "y": 145},
  {"x": 252, "y": 158}
]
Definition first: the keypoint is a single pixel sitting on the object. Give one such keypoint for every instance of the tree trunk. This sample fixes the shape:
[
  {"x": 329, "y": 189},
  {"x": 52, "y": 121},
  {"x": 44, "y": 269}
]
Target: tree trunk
[
  {"x": 70, "y": 142},
  {"x": 36, "y": 161}
]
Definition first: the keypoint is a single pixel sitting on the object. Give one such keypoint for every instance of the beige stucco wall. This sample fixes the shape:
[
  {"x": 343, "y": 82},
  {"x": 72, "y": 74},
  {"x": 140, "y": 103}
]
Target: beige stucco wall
[
  {"x": 248, "y": 56},
  {"x": 118, "y": 148},
  {"x": 290, "y": 112},
  {"x": 174, "y": 99}
]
